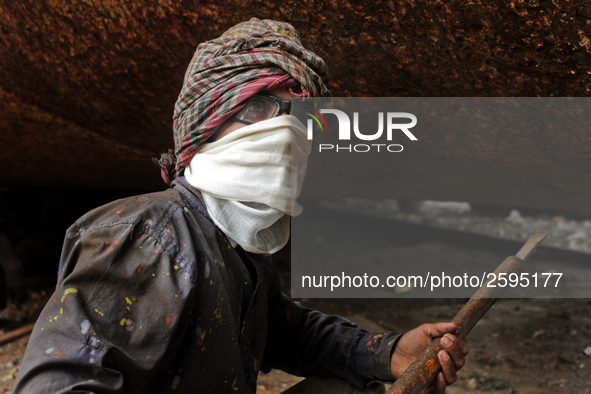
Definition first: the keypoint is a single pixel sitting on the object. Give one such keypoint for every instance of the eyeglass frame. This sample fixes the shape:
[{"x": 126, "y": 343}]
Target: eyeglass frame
[{"x": 283, "y": 106}]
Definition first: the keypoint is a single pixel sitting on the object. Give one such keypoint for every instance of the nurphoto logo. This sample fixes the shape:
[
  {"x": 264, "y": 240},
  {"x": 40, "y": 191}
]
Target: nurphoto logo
[{"x": 344, "y": 130}]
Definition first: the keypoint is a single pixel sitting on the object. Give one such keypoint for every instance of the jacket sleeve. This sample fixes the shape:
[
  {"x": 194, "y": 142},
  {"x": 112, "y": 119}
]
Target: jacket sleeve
[
  {"x": 117, "y": 311},
  {"x": 304, "y": 342}
]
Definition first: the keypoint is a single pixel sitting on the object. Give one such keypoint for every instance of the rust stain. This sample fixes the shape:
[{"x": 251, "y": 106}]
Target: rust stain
[{"x": 102, "y": 83}]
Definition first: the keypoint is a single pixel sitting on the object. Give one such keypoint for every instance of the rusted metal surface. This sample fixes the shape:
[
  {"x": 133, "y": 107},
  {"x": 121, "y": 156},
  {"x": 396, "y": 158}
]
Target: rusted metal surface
[
  {"x": 421, "y": 373},
  {"x": 40, "y": 148},
  {"x": 88, "y": 87}
]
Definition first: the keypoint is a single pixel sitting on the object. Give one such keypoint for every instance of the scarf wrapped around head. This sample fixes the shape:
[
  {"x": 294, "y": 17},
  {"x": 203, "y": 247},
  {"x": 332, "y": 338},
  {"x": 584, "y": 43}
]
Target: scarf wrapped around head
[{"x": 249, "y": 58}]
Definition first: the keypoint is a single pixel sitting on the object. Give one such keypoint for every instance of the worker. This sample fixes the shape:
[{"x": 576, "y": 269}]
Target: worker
[{"x": 176, "y": 291}]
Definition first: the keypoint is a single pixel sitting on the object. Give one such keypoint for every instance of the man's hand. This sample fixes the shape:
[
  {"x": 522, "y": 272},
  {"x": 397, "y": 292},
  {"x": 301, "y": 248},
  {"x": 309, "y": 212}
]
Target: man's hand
[{"x": 412, "y": 343}]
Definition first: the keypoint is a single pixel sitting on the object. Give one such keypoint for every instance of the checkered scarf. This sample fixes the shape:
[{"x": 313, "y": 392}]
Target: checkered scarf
[{"x": 249, "y": 58}]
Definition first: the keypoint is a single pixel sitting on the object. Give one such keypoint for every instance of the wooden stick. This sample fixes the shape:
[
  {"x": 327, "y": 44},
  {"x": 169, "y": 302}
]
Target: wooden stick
[
  {"x": 15, "y": 334},
  {"x": 421, "y": 373}
]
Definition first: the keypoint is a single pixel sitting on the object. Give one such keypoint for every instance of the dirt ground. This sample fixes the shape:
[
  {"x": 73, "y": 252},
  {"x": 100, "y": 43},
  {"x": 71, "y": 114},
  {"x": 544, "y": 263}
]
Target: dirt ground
[{"x": 521, "y": 346}]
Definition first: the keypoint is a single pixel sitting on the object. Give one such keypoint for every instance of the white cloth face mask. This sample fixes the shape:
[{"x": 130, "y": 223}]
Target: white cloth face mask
[{"x": 250, "y": 180}]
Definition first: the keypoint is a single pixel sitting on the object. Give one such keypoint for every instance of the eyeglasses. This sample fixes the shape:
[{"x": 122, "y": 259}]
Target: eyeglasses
[{"x": 261, "y": 106}]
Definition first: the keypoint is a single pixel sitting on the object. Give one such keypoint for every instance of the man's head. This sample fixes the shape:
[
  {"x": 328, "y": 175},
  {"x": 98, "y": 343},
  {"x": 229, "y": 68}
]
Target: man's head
[{"x": 250, "y": 58}]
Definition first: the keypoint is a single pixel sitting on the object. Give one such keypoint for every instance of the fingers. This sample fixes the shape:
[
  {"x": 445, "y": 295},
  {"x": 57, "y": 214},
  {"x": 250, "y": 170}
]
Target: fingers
[
  {"x": 447, "y": 367},
  {"x": 455, "y": 349},
  {"x": 452, "y": 355},
  {"x": 440, "y": 384},
  {"x": 463, "y": 347},
  {"x": 438, "y": 329}
]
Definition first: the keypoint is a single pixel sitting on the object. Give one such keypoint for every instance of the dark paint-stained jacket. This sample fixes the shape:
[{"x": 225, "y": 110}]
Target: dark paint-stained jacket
[{"x": 153, "y": 298}]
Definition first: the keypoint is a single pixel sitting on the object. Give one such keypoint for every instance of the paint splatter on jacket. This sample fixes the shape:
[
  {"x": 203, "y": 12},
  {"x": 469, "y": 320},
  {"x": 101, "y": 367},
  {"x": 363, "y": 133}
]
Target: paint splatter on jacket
[{"x": 153, "y": 298}]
